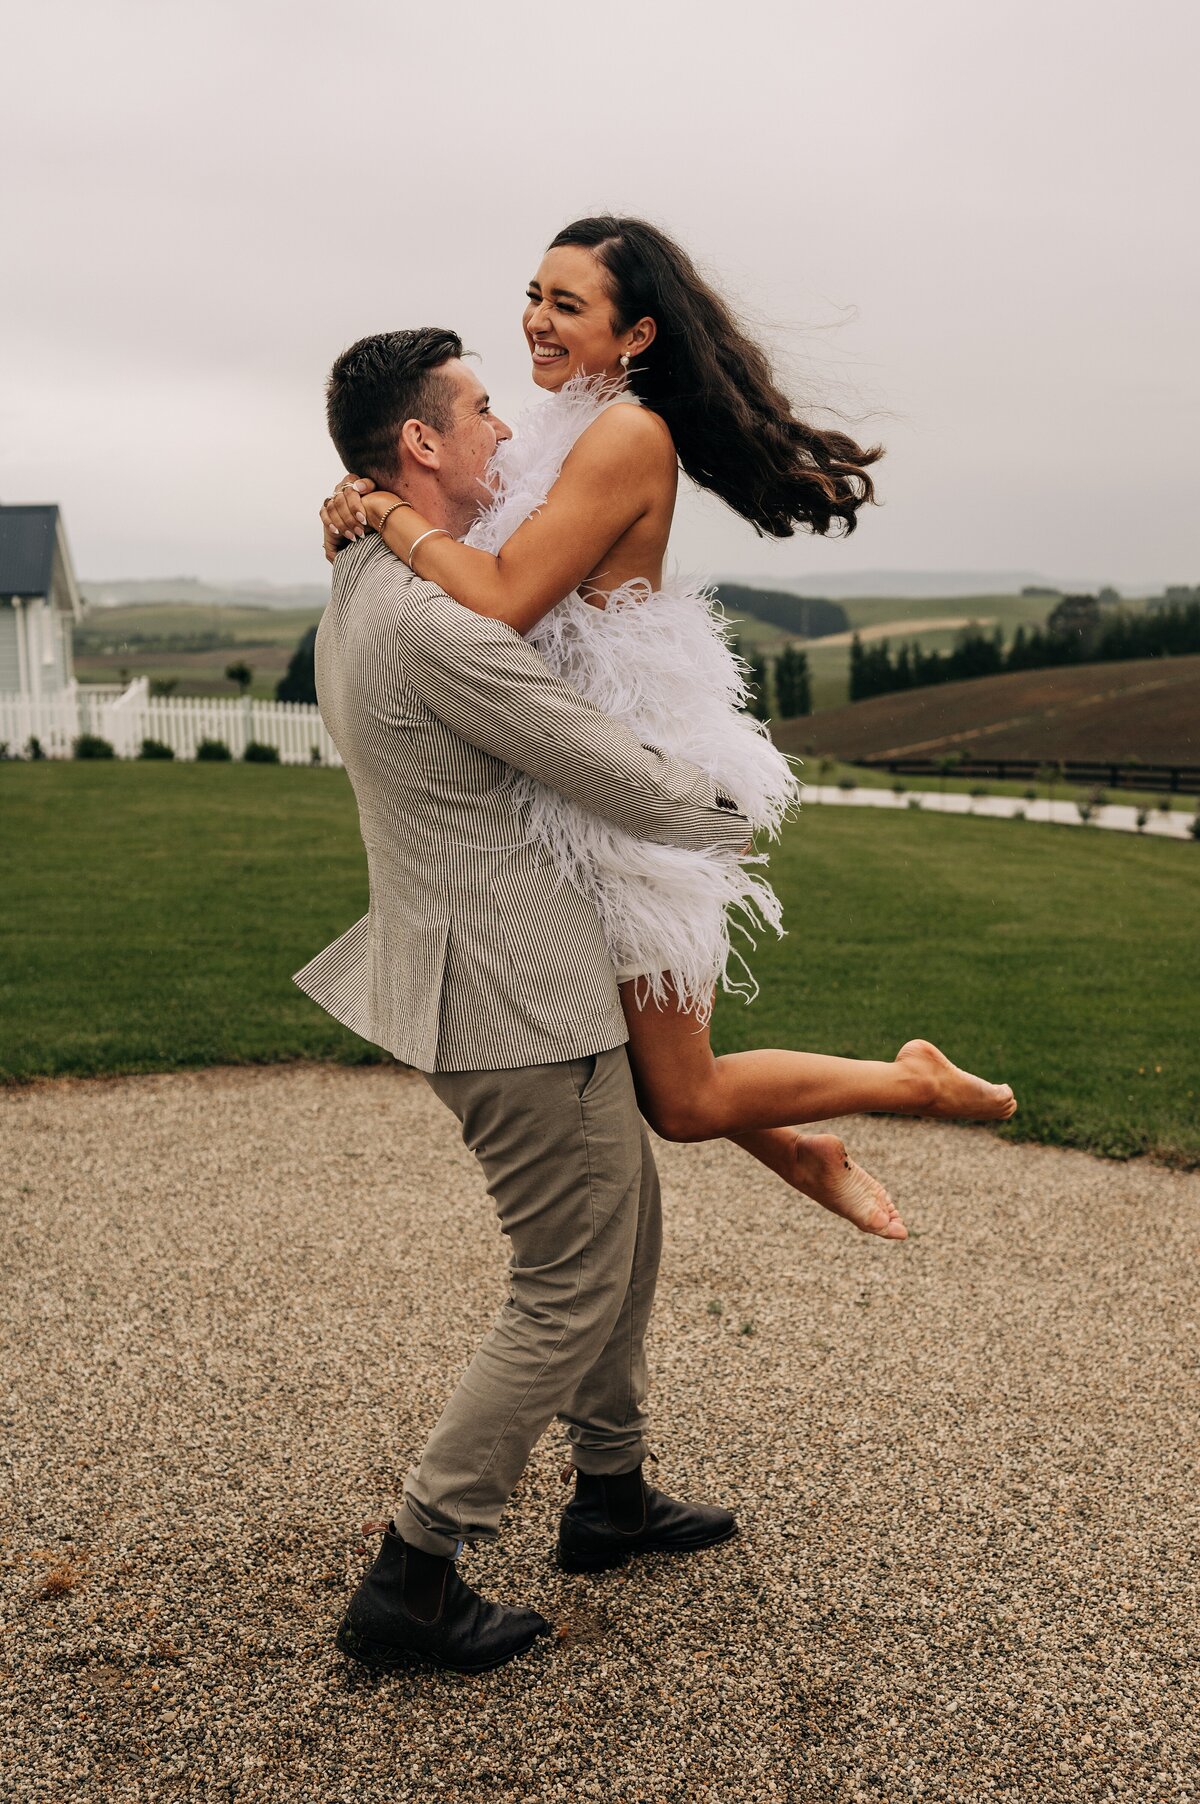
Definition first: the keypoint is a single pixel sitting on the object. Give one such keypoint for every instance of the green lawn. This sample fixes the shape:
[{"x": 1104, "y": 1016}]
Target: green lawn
[{"x": 154, "y": 914}]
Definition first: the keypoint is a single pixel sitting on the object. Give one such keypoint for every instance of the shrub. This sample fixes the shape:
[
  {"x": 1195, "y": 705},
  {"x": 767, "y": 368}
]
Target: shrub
[
  {"x": 915, "y": 802},
  {"x": 155, "y": 748},
  {"x": 847, "y": 783},
  {"x": 212, "y": 751},
  {"x": 1141, "y": 817},
  {"x": 1031, "y": 794},
  {"x": 3, "y": 750},
  {"x": 899, "y": 787},
  {"x": 1088, "y": 806},
  {"x": 90, "y": 745},
  {"x": 1018, "y": 814},
  {"x": 258, "y": 753},
  {"x": 314, "y": 754},
  {"x": 34, "y": 749},
  {"x": 981, "y": 789},
  {"x": 1195, "y": 826}
]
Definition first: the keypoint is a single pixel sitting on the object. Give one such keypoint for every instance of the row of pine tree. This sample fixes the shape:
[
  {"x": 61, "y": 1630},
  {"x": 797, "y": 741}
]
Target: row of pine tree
[
  {"x": 779, "y": 688},
  {"x": 1076, "y": 632}
]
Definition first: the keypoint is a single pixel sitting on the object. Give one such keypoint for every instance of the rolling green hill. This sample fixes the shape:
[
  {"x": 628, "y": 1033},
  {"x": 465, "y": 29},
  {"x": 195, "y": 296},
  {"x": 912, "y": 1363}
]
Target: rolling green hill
[
  {"x": 162, "y": 639},
  {"x": 191, "y": 643}
]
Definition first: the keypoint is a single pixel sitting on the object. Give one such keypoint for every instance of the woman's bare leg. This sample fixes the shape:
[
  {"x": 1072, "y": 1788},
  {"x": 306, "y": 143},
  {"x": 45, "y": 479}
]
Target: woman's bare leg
[
  {"x": 755, "y": 1098},
  {"x": 815, "y": 1164},
  {"x": 819, "y": 1166},
  {"x": 688, "y": 1094}
]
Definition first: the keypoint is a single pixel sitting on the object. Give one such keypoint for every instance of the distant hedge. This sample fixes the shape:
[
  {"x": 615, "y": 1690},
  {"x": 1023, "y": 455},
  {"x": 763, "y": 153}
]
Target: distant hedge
[{"x": 805, "y": 615}]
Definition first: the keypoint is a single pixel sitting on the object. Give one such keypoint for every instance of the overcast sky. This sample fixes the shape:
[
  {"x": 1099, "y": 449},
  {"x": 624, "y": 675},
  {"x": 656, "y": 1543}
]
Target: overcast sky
[{"x": 971, "y": 228}]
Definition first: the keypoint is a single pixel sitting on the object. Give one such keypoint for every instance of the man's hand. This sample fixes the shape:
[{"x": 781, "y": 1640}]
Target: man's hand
[{"x": 342, "y": 518}]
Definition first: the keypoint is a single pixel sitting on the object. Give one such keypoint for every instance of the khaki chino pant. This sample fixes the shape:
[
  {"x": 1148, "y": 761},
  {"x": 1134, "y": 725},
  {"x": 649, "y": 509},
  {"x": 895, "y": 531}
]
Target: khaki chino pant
[{"x": 570, "y": 1170}]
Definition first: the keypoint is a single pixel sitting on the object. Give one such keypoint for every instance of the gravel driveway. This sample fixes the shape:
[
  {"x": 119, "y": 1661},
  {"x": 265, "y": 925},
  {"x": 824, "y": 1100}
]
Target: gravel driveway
[{"x": 235, "y": 1301}]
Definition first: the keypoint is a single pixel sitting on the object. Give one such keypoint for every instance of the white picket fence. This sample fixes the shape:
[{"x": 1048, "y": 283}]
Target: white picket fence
[{"x": 127, "y": 716}]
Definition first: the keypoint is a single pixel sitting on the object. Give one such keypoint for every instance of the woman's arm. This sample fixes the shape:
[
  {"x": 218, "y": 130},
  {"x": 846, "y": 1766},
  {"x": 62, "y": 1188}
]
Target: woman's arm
[{"x": 621, "y": 466}]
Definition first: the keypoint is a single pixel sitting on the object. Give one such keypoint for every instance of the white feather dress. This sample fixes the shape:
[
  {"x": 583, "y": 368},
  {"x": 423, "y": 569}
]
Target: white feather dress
[{"x": 660, "y": 661}]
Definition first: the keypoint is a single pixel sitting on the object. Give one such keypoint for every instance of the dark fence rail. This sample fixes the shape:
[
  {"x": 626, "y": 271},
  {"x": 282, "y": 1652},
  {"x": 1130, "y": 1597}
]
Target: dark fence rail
[{"x": 1172, "y": 778}]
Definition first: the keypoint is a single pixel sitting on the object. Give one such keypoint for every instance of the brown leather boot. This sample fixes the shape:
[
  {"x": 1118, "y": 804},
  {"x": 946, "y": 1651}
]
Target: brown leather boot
[{"x": 614, "y": 1515}]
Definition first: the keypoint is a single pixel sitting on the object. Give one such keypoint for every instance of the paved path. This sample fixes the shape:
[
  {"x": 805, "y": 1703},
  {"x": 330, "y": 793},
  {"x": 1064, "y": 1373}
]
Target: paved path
[
  {"x": 235, "y": 1301},
  {"x": 1118, "y": 816}
]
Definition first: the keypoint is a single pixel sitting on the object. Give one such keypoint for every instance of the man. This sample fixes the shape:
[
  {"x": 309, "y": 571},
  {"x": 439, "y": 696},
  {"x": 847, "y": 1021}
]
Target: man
[{"x": 479, "y": 967}]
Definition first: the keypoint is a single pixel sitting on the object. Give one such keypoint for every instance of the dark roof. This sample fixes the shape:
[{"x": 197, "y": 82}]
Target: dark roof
[{"x": 27, "y": 539}]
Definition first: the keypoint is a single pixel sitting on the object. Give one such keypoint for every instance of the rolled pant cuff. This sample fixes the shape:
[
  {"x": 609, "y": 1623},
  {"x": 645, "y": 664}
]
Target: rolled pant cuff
[
  {"x": 600, "y": 1462},
  {"x": 445, "y": 1547}
]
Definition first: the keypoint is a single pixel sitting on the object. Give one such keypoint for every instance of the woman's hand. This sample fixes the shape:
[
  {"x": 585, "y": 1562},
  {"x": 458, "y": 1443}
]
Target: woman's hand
[{"x": 342, "y": 516}]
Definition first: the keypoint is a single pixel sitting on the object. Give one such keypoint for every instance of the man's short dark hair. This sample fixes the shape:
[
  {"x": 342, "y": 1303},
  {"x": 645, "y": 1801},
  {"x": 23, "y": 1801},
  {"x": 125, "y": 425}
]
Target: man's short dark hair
[{"x": 379, "y": 383}]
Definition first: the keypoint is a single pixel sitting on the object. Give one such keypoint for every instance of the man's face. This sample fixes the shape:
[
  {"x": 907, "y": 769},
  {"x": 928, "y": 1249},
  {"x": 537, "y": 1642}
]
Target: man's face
[{"x": 466, "y": 445}]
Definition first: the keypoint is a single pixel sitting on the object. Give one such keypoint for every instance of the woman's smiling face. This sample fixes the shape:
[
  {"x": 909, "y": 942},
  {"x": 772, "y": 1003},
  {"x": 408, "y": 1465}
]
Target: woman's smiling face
[{"x": 568, "y": 320}]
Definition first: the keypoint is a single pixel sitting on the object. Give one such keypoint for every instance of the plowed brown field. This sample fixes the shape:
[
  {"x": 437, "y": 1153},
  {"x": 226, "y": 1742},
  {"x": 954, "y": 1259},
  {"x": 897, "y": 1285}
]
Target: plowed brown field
[{"x": 1149, "y": 709}]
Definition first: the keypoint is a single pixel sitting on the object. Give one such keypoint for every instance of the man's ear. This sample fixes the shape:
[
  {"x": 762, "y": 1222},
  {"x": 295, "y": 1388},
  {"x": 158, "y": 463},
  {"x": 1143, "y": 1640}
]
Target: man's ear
[{"x": 420, "y": 443}]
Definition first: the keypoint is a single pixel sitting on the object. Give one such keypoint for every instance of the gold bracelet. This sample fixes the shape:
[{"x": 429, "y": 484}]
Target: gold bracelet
[
  {"x": 391, "y": 510},
  {"x": 420, "y": 539}
]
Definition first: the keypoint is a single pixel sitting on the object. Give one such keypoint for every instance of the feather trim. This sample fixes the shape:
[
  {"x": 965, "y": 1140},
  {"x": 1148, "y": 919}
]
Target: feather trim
[{"x": 660, "y": 661}]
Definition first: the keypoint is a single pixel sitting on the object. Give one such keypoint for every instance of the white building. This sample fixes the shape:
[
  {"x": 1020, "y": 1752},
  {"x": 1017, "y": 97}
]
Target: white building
[
  {"x": 39, "y": 604},
  {"x": 43, "y": 709}
]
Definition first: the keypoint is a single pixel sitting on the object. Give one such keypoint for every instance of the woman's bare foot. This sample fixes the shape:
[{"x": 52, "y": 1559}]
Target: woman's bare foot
[
  {"x": 948, "y": 1094},
  {"x": 823, "y": 1170}
]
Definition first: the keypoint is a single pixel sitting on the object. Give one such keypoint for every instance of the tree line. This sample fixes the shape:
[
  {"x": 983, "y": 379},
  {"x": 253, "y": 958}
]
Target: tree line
[
  {"x": 805, "y": 616},
  {"x": 779, "y": 688},
  {"x": 1075, "y": 632}
]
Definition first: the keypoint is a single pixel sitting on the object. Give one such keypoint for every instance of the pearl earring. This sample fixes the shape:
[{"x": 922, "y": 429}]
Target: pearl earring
[{"x": 623, "y": 360}]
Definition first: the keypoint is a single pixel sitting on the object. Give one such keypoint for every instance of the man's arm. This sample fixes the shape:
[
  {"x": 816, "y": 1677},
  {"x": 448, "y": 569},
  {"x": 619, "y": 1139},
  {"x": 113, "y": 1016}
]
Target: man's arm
[{"x": 492, "y": 689}]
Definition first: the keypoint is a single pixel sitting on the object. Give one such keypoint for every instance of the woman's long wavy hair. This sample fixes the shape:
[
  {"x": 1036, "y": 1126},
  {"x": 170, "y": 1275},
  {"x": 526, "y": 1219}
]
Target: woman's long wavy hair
[{"x": 734, "y": 429}]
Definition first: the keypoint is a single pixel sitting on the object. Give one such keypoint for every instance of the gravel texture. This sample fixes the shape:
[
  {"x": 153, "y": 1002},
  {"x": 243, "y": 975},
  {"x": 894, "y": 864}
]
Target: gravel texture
[{"x": 235, "y": 1301}]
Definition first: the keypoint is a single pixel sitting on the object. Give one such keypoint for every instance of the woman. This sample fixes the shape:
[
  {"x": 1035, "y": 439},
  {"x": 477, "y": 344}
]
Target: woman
[{"x": 647, "y": 370}]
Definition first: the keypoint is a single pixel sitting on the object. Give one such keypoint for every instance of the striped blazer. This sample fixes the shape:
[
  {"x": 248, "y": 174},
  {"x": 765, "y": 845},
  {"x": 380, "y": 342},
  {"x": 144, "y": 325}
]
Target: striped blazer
[{"x": 474, "y": 953}]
